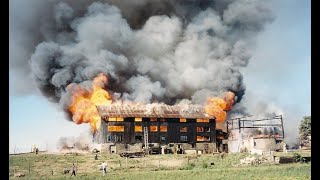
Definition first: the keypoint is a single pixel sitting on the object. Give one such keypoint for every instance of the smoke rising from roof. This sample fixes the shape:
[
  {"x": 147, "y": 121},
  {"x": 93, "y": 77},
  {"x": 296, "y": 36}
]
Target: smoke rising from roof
[{"x": 152, "y": 51}]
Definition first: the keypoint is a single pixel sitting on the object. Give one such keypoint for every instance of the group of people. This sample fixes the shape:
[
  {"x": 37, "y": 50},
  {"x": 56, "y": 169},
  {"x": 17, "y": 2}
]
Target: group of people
[{"x": 104, "y": 169}]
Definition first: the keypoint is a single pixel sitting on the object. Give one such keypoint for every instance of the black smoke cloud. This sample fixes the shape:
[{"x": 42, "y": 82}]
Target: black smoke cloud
[{"x": 152, "y": 51}]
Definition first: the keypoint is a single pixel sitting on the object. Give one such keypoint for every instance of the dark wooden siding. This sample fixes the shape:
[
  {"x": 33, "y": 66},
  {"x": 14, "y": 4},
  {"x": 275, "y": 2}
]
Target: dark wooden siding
[
  {"x": 129, "y": 130},
  {"x": 173, "y": 134}
]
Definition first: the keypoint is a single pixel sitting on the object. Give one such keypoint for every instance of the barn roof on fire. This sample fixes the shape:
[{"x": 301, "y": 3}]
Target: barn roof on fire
[{"x": 153, "y": 111}]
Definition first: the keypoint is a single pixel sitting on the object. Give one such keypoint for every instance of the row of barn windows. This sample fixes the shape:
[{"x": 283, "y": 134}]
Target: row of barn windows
[
  {"x": 137, "y": 119},
  {"x": 155, "y": 129},
  {"x": 183, "y": 138}
]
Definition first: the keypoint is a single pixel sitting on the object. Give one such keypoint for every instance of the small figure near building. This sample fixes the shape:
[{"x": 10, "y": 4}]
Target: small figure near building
[
  {"x": 35, "y": 149},
  {"x": 104, "y": 168},
  {"x": 284, "y": 147}
]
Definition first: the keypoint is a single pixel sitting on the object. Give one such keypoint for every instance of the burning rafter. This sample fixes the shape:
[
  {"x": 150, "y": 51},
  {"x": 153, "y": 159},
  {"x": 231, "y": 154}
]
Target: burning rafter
[{"x": 151, "y": 110}]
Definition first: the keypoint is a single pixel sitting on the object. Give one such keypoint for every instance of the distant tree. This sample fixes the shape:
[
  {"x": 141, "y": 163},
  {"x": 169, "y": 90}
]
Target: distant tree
[{"x": 305, "y": 127}]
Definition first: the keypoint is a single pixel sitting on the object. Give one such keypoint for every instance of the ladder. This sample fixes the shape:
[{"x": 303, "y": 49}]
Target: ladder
[{"x": 146, "y": 143}]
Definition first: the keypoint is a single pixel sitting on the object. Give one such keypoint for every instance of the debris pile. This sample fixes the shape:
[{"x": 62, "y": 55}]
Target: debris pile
[
  {"x": 19, "y": 175},
  {"x": 256, "y": 160},
  {"x": 306, "y": 143}
]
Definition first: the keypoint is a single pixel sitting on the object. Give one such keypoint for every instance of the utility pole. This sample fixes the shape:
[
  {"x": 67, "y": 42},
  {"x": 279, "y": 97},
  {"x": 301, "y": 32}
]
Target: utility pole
[{"x": 282, "y": 126}]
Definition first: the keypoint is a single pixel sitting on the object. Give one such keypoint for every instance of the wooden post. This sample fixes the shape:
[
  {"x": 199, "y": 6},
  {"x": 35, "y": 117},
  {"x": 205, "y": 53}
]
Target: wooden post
[
  {"x": 127, "y": 162},
  {"x": 227, "y": 126}
]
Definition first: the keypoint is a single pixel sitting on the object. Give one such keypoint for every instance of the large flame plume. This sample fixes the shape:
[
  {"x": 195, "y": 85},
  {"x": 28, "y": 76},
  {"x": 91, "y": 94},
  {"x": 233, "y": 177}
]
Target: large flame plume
[
  {"x": 84, "y": 102},
  {"x": 218, "y": 106}
]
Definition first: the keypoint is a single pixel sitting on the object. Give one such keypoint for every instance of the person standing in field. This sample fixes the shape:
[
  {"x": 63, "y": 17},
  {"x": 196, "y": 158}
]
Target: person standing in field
[
  {"x": 73, "y": 170},
  {"x": 104, "y": 168}
]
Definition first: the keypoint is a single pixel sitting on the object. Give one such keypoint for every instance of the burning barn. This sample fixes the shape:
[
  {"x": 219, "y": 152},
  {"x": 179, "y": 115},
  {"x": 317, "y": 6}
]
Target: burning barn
[
  {"x": 88, "y": 56},
  {"x": 130, "y": 126},
  {"x": 161, "y": 127}
]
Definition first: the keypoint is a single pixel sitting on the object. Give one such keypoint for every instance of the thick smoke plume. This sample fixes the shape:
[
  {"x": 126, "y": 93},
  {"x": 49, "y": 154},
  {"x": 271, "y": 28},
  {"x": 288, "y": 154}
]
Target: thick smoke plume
[{"x": 152, "y": 51}]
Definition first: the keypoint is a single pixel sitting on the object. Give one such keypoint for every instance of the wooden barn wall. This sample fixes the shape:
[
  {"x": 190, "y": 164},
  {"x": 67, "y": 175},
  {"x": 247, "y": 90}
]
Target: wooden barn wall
[
  {"x": 128, "y": 130},
  {"x": 172, "y": 135}
]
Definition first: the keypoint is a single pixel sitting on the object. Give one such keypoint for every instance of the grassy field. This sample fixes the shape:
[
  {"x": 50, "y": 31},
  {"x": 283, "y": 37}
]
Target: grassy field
[
  {"x": 304, "y": 153},
  {"x": 159, "y": 167}
]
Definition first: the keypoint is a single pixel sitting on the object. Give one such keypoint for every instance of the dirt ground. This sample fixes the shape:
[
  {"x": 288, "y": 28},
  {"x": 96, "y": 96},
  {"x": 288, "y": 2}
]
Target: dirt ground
[{"x": 168, "y": 162}]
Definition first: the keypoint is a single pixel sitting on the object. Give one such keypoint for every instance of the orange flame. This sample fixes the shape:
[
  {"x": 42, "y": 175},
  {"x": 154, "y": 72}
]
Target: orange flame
[
  {"x": 229, "y": 99},
  {"x": 217, "y": 107},
  {"x": 84, "y": 102}
]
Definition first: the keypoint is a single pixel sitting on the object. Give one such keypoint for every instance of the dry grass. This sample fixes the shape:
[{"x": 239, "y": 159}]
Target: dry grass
[{"x": 151, "y": 167}]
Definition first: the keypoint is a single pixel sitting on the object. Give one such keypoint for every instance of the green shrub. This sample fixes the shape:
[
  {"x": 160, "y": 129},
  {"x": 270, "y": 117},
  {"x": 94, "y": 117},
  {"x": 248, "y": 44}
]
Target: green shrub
[
  {"x": 188, "y": 166},
  {"x": 205, "y": 165},
  {"x": 298, "y": 158}
]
